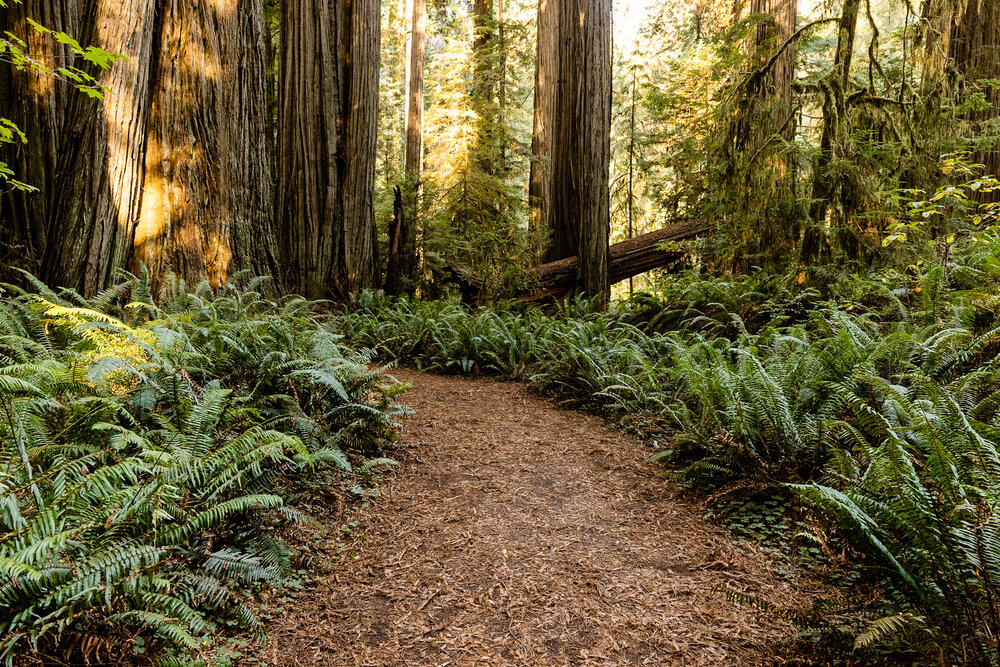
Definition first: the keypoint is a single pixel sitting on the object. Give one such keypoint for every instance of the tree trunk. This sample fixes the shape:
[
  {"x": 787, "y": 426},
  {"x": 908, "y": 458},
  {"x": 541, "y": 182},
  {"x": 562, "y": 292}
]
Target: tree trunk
[
  {"x": 580, "y": 206},
  {"x": 38, "y": 104},
  {"x": 400, "y": 262},
  {"x": 356, "y": 153},
  {"x": 326, "y": 145},
  {"x": 308, "y": 183},
  {"x": 413, "y": 152},
  {"x": 769, "y": 38},
  {"x": 826, "y": 184},
  {"x": 974, "y": 51},
  {"x": 205, "y": 206},
  {"x": 546, "y": 68},
  {"x": 413, "y": 146},
  {"x": 101, "y": 173}
]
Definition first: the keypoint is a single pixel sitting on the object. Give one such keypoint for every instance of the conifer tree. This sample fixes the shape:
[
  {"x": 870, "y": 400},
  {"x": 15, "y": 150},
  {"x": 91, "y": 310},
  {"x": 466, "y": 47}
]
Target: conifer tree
[{"x": 579, "y": 209}]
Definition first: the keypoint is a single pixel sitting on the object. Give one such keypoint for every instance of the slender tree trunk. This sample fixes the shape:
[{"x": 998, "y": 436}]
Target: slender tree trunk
[
  {"x": 413, "y": 153},
  {"x": 502, "y": 83},
  {"x": 398, "y": 263},
  {"x": 101, "y": 172},
  {"x": 546, "y": 72},
  {"x": 484, "y": 85},
  {"x": 308, "y": 182},
  {"x": 581, "y": 143},
  {"x": 974, "y": 53},
  {"x": 631, "y": 165},
  {"x": 357, "y": 153},
  {"x": 207, "y": 189},
  {"x": 413, "y": 147},
  {"x": 826, "y": 184}
]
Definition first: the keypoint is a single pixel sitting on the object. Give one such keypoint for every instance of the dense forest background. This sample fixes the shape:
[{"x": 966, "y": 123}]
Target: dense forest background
[{"x": 273, "y": 137}]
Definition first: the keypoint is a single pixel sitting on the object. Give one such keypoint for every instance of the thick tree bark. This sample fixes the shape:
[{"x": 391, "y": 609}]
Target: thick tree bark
[
  {"x": 205, "y": 205},
  {"x": 101, "y": 171},
  {"x": 308, "y": 181},
  {"x": 326, "y": 145},
  {"x": 356, "y": 153},
  {"x": 581, "y": 147},
  {"x": 546, "y": 68},
  {"x": 38, "y": 104}
]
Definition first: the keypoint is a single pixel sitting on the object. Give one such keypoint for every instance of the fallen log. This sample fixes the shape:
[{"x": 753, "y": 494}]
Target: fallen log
[{"x": 626, "y": 259}]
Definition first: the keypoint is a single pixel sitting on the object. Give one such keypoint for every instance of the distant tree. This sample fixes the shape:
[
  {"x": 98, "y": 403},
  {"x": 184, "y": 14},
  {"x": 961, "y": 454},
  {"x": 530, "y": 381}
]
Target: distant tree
[
  {"x": 974, "y": 52},
  {"x": 401, "y": 269},
  {"x": 756, "y": 175},
  {"x": 826, "y": 184},
  {"x": 546, "y": 65}
]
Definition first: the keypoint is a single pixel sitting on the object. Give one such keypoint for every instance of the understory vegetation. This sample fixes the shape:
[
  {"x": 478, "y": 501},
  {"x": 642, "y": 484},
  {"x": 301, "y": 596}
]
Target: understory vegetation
[
  {"x": 873, "y": 400},
  {"x": 150, "y": 455}
]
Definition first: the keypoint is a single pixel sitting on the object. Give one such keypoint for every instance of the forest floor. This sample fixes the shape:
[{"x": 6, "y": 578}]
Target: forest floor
[{"x": 521, "y": 533}]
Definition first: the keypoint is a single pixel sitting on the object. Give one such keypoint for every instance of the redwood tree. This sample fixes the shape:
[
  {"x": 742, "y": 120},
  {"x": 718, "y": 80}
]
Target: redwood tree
[
  {"x": 546, "y": 66},
  {"x": 328, "y": 104},
  {"x": 37, "y": 103},
  {"x": 99, "y": 184},
  {"x": 171, "y": 168},
  {"x": 205, "y": 210},
  {"x": 579, "y": 210}
]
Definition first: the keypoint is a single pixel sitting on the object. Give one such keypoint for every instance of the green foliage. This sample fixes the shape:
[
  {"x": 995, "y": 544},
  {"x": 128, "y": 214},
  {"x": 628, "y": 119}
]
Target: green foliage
[{"x": 145, "y": 452}]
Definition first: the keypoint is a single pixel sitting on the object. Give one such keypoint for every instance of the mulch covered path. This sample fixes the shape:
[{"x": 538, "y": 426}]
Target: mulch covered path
[{"x": 520, "y": 533}]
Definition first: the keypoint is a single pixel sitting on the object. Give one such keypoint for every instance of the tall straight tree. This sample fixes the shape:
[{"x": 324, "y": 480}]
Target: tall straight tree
[
  {"x": 413, "y": 151},
  {"x": 328, "y": 104},
  {"x": 579, "y": 211},
  {"x": 826, "y": 181},
  {"x": 546, "y": 66},
  {"x": 206, "y": 203},
  {"x": 360, "y": 55},
  {"x": 401, "y": 264}
]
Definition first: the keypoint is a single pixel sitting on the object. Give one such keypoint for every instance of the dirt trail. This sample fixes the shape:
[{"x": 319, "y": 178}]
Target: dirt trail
[{"x": 519, "y": 533}]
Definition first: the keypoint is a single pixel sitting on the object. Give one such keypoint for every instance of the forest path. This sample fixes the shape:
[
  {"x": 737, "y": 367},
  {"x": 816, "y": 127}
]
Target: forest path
[{"x": 519, "y": 533}]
